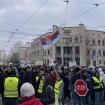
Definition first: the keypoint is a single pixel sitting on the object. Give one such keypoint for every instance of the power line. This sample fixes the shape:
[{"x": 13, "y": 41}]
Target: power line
[
  {"x": 26, "y": 20},
  {"x": 29, "y": 34},
  {"x": 23, "y": 27},
  {"x": 80, "y": 2},
  {"x": 33, "y": 14},
  {"x": 66, "y": 12},
  {"x": 83, "y": 13}
]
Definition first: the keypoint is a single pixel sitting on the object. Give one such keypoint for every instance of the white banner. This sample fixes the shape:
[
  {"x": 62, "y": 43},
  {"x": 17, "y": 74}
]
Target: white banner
[
  {"x": 25, "y": 63},
  {"x": 72, "y": 63}
]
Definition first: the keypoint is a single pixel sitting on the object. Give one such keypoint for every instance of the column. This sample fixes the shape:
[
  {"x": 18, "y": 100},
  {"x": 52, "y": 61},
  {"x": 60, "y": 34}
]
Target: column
[
  {"x": 73, "y": 53},
  {"x": 62, "y": 55}
]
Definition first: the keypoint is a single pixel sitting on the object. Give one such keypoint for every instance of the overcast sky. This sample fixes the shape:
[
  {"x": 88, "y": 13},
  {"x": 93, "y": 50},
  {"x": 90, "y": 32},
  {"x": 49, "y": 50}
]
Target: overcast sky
[{"x": 16, "y": 12}]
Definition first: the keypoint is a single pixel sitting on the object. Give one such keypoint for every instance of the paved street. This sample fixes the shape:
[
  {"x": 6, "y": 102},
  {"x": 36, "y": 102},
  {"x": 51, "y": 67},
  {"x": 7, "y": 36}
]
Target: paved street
[{"x": 66, "y": 103}]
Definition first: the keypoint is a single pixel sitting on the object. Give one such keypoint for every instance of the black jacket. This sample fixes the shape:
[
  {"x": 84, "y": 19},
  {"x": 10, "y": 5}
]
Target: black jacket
[
  {"x": 1, "y": 81},
  {"x": 48, "y": 95}
]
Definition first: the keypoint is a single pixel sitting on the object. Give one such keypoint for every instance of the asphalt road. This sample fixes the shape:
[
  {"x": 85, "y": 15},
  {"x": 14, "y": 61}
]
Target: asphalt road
[{"x": 66, "y": 102}]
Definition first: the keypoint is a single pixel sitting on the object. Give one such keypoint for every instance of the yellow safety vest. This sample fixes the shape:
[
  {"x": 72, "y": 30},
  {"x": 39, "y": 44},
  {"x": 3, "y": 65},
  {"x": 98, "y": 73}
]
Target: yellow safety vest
[
  {"x": 57, "y": 88},
  {"x": 96, "y": 80},
  {"x": 40, "y": 88},
  {"x": 11, "y": 87}
]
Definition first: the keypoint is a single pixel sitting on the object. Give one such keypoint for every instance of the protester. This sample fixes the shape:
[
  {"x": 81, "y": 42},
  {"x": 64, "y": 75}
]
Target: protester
[
  {"x": 58, "y": 89},
  {"x": 98, "y": 87},
  {"x": 48, "y": 95},
  {"x": 11, "y": 88},
  {"x": 76, "y": 97},
  {"x": 28, "y": 95}
]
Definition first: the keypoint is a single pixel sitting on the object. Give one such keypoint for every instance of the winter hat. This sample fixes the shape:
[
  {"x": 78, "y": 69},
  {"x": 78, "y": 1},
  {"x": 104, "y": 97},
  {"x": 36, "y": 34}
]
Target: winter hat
[
  {"x": 101, "y": 72},
  {"x": 27, "y": 90}
]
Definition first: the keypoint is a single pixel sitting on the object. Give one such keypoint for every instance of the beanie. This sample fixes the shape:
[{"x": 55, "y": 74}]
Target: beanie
[{"x": 27, "y": 90}]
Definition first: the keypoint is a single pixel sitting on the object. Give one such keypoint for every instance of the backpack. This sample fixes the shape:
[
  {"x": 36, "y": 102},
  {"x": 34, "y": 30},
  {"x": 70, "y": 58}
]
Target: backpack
[{"x": 53, "y": 91}]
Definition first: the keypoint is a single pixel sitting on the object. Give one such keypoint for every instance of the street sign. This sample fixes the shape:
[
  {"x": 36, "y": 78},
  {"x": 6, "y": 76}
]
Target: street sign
[{"x": 81, "y": 87}]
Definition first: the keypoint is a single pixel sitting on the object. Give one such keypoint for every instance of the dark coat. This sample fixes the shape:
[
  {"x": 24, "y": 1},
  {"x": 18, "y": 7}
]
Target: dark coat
[
  {"x": 1, "y": 81},
  {"x": 48, "y": 95}
]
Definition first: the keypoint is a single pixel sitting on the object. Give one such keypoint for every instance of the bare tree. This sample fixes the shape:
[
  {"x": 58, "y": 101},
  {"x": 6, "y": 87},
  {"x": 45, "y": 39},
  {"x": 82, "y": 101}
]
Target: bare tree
[{"x": 15, "y": 52}]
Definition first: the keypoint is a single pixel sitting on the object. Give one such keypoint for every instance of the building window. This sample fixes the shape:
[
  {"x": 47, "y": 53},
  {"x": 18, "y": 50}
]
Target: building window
[
  {"x": 66, "y": 61},
  {"x": 58, "y": 49},
  {"x": 67, "y": 50},
  {"x": 88, "y": 52},
  {"x": 70, "y": 39},
  {"x": 93, "y": 33},
  {"x": 64, "y": 39},
  {"x": 67, "y": 31},
  {"x": 45, "y": 53},
  {"x": 99, "y": 52},
  {"x": 104, "y": 62},
  {"x": 94, "y": 63},
  {"x": 88, "y": 62},
  {"x": 103, "y": 42},
  {"x": 81, "y": 39},
  {"x": 98, "y": 42},
  {"x": 76, "y": 50},
  {"x": 76, "y": 39},
  {"x": 93, "y": 41},
  {"x": 67, "y": 41},
  {"x": 47, "y": 62},
  {"x": 94, "y": 52},
  {"x": 99, "y": 62},
  {"x": 48, "y": 52},
  {"x": 38, "y": 52},
  {"x": 103, "y": 53}
]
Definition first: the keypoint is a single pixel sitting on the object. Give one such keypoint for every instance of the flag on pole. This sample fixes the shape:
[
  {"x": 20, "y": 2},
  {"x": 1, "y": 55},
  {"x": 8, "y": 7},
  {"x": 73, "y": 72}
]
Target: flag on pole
[{"x": 49, "y": 41}]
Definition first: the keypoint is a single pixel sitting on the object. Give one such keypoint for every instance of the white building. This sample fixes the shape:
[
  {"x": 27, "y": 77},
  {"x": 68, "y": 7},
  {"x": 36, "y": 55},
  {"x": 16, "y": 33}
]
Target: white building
[{"x": 76, "y": 44}]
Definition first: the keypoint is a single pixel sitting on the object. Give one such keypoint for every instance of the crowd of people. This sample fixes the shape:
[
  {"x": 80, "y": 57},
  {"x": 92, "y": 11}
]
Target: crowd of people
[{"x": 44, "y": 85}]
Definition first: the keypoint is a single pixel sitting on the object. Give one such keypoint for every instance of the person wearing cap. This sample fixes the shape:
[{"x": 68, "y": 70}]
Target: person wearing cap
[
  {"x": 11, "y": 89},
  {"x": 58, "y": 88},
  {"x": 98, "y": 87},
  {"x": 74, "y": 78},
  {"x": 27, "y": 92}
]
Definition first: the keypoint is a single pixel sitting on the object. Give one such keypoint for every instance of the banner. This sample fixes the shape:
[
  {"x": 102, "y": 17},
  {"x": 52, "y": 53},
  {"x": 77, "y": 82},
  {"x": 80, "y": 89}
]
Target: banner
[
  {"x": 71, "y": 64},
  {"x": 25, "y": 63}
]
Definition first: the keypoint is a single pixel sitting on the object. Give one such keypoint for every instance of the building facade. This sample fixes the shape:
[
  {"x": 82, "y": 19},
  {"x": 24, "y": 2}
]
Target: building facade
[{"x": 76, "y": 44}]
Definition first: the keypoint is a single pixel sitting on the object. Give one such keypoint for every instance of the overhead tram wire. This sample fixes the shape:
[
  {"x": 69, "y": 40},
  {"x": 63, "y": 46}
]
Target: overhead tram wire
[
  {"x": 27, "y": 20},
  {"x": 83, "y": 13},
  {"x": 23, "y": 27},
  {"x": 29, "y": 34},
  {"x": 66, "y": 11},
  {"x": 80, "y": 2}
]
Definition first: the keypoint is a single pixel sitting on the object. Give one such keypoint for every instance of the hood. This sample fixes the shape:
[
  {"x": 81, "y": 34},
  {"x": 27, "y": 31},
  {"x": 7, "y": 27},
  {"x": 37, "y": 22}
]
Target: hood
[
  {"x": 100, "y": 71},
  {"x": 48, "y": 80}
]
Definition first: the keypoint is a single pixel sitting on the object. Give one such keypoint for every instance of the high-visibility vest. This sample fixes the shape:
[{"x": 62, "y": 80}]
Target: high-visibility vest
[
  {"x": 40, "y": 88},
  {"x": 57, "y": 88},
  {"x": 11, "y": 87},
  {"x": 96, "y": 80}
]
